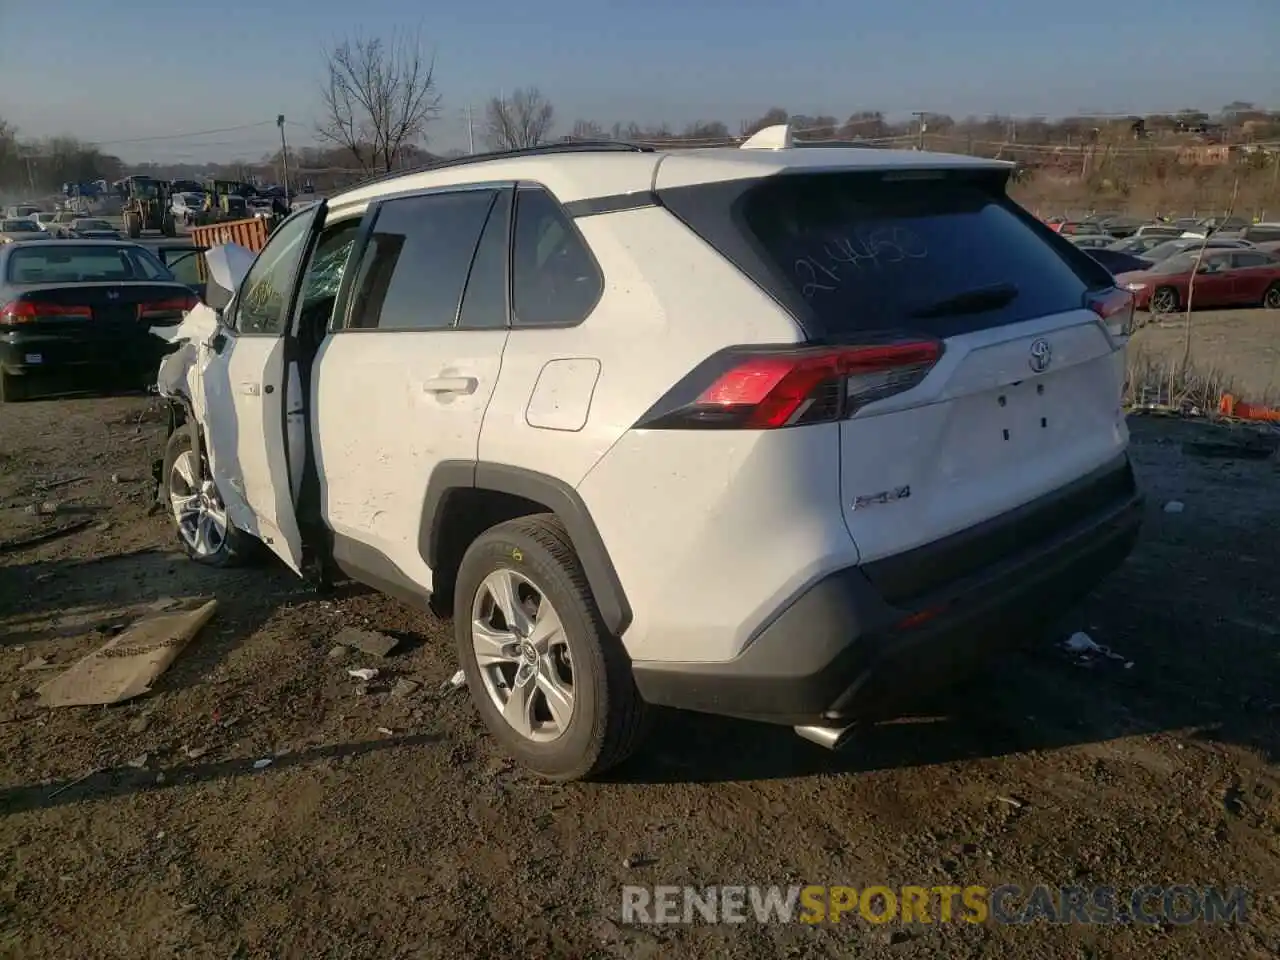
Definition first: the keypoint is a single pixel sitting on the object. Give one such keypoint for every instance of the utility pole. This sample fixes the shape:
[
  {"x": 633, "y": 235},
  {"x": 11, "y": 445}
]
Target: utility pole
[
  {"x": 284, "y": 157},
  {"x": 920, "y": 124},
  {"x": 471, "y": 131}
]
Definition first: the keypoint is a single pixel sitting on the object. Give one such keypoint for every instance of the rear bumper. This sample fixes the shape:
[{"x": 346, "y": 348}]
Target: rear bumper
[
  {"x": 849, "y": 649},
  {"x": 26, "y": 353}
]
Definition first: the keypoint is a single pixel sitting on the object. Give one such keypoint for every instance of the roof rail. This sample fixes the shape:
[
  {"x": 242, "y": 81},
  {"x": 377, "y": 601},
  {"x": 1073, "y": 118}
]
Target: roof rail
[{"x": 569, "y": 146}]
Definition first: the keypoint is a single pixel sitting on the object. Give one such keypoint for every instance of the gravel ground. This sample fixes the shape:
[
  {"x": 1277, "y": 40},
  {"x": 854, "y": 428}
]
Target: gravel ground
[{"x": 388, "y": 826}]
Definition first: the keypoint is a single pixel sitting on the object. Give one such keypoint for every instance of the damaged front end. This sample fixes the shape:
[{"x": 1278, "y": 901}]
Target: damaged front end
[{"x": 179, "y": 377}]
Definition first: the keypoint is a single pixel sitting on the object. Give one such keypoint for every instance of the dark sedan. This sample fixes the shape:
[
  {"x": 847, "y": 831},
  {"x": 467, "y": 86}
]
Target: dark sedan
[
  {"x": 90, "y": 228},
  {"x": 83, "y": 305}
]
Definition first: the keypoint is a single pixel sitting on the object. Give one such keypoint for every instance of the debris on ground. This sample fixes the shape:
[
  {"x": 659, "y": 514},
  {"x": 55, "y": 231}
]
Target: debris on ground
[
  {"x": 456, "y": 682},
  {"x": 46, "y": 509},
  {"x": 386, "y": 731},
  {"x": 262, "y": 764},
  {"x": 53, "y": 484},
  {"x": 128, "y": 664},
  {"x": 404, "y": 687},
  {"x": 1012, "y": 801},
  {"x": 339, "y": 652},
  {"x": 1085, "y": 649},
  {"x": 44, "y": 536},
  {"x": 39, "y": 663},
  {"x": 366, "y": 641},
  {"x": 1174, "y": 506},
  {"x": 363, "y": 673}
]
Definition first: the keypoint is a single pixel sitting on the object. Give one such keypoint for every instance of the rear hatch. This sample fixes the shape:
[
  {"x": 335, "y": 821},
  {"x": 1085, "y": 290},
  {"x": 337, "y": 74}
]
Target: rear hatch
[{"x": 1024, "y": 396}]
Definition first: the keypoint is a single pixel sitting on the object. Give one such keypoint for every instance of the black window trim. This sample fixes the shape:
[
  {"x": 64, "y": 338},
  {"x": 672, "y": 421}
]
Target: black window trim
[
  {"x": 341, "y": 321},
  {"x": 572, "y": 223}
]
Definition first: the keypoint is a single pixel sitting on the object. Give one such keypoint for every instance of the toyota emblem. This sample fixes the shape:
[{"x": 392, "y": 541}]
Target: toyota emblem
[
  {"x": 113, "y": 294},
  {"x": 1041, "y": 355}
]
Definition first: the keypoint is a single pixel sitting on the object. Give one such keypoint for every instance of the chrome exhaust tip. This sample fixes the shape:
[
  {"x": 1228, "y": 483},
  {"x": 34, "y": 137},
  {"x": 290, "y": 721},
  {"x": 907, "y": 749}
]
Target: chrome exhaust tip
[{"x": 833, "y": 738}]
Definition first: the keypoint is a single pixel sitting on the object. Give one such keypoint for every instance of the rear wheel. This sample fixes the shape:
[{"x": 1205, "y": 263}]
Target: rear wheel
[
  {"x": 133, "y": 225},
  {"x": 1271, "y": 299},
  {"x": 168, "y": 227},
  {"x": 552, "y": 684},
  {"x": 1164, "y": 300},
  {"x": 199, "y": 515}
]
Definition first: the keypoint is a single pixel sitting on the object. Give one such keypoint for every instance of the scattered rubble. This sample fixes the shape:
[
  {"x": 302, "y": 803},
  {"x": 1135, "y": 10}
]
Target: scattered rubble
[
  {"x": 366, "y": 641},
  {"x": 363, "y": 673},
  {"x": 405, "y": 687}
]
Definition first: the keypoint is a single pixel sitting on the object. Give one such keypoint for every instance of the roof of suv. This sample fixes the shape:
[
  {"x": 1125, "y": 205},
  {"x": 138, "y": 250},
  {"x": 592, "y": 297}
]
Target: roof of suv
[{"x": 586, "y": 173}]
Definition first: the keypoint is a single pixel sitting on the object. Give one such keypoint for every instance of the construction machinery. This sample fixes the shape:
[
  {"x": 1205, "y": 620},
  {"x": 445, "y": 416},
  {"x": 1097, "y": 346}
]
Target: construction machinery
[
  {"x": 146, "y": 207},
  {"x": 224, "y": 201}
]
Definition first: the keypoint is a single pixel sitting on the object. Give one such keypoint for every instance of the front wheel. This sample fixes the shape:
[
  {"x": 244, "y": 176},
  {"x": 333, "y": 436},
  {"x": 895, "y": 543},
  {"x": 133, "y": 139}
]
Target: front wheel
[
  {"x": 205, "y": 531},
  {"x": 552, "y": 684},
  {"x": 1271, "y": 299},
  {"x": 1164, "y": 300}
]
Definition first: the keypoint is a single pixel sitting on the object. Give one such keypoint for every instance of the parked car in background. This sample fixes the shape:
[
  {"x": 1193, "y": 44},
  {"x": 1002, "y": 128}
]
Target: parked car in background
[
  {"x": 1138, "y": 244},
  {"x": 20, "y": 228},
  {"x": 1261, "y": 233},
  {"x": 42, "y": 218},
  {"x": 1225, "y": 278},
  {"x": 1171, "y": 248},
  {"x": 21, "y": 210},
  {"x": 1116, "y": 261},
  {"x": 263, "y": 208},
  {"x": 1092, "y": 239},
  {"x": 89, "y": 228},
  {"x": 83, "y": 304},
  {"x": 186, "y": 207},
  {"x": 60, "y": 224},
  {"x": 1167, "y": 231},
  {"x": 1119, "y": 225}
]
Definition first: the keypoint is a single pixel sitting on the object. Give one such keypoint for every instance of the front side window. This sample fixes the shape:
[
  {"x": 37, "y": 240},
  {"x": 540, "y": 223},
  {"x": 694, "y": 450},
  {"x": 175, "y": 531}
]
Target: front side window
[{"x": 264, "y": 295}]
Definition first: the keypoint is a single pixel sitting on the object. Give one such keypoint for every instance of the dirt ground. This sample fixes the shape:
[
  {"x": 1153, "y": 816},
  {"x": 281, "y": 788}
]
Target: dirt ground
[
  {"x": 1242, "y": 346},
  {"x": 387, "y": 826}
]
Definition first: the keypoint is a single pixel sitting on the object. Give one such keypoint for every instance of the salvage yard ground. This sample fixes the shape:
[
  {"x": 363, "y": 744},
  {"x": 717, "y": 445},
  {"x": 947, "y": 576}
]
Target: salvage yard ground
[{"x": 386, "y": 824}]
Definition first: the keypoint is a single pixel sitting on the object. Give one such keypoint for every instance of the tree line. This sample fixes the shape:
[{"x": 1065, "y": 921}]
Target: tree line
[{"x": 40, "y": 166}]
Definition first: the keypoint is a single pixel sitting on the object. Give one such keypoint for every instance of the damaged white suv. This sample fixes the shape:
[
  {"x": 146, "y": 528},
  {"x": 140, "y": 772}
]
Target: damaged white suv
[{"x": 782, "y": 433}]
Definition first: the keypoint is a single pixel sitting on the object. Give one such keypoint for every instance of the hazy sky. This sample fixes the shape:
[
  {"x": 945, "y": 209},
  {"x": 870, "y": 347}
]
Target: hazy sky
[{"x": 64, "y": 64}]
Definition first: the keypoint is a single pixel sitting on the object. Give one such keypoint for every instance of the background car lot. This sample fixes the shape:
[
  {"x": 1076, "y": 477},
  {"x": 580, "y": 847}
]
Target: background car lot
[{"x": 387, "y": 820}]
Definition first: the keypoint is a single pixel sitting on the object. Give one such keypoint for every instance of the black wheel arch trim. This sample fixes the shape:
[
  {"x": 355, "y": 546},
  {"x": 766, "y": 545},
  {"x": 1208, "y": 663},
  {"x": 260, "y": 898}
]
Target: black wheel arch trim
[{"x": 452, "y": 475}]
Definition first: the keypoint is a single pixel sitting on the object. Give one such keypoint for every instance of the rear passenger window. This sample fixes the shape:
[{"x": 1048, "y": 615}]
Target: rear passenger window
[
  {"x": 554, "y": 278},
  {"x": 868, "y": 253},
  {"x": 1250, "y": 259},
  {"x": 414, "y": 268}
]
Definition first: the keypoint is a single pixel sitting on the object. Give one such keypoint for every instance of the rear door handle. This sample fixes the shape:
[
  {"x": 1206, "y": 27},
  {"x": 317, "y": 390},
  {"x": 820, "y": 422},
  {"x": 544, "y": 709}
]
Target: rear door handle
[
  {"x": 252, "y": 389},
  {"x": 451, "y": 385}
]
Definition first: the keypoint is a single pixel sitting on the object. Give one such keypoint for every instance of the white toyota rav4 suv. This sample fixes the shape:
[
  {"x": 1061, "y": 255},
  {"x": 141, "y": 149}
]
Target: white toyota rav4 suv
[{"x": 779, "y": 432}]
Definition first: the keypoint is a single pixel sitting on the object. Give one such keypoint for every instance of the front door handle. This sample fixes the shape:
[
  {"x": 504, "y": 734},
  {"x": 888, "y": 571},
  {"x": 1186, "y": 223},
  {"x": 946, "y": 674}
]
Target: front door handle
[{"x": 451, "y": 385}]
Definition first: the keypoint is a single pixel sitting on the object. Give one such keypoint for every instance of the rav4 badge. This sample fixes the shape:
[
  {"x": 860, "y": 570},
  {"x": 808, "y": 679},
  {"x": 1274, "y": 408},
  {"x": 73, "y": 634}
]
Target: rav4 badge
[{"x": 884, "y": 496}]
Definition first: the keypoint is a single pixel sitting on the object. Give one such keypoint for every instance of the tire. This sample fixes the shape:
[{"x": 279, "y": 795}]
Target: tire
[
  {"x": 607, "y": 719},
  {"x": 236, "y": 547},
  {"x": 1164, "y": 300},
  {"x": 168, "y": 227},
  {"x": 133, "y": 226},
  {"x": 13, "y": 389},
  {"x": 1271, "y": 299}
]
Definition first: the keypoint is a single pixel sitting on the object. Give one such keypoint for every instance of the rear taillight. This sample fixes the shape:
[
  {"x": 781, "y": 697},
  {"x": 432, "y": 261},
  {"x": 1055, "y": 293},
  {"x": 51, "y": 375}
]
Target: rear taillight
[
  {"x": 750, "y": 388},
  {"x": 166, "y": 308},
  {"x": 1115, "y": 309},
  {"x": 25, "y": 311}
]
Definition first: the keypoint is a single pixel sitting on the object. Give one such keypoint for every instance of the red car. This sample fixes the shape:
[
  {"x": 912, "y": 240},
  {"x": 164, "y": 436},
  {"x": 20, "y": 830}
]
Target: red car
[{"x": 1227, "y": 278}]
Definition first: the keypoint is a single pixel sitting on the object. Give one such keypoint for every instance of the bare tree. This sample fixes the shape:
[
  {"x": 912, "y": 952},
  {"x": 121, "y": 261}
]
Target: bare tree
[
  {"x": 519, "y": 121},
  {"x": 378, "y": 98},
  {"x": 588, "y": 130}
]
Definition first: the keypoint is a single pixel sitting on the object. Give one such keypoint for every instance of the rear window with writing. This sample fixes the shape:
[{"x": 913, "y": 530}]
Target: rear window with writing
[{"x": 867, "y": 254}]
